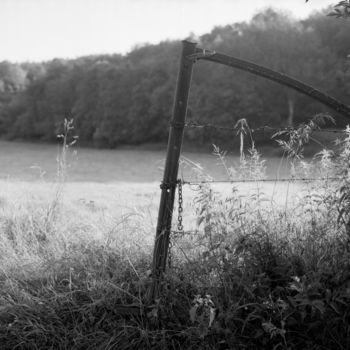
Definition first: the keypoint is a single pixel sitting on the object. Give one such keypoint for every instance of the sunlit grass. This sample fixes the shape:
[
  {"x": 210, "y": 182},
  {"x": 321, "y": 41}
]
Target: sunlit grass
[
  {"x": 67, "y": 265},
  {"x": 259, "y": 265}
]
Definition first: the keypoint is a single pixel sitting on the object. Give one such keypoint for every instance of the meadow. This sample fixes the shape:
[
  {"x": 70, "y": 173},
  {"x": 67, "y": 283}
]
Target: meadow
[
  {"x": 26, "y": 161},
  {"x": 119, "y": 182},
  {"x": 259, "y": 265},
  {"x": 115, "y": 180}
]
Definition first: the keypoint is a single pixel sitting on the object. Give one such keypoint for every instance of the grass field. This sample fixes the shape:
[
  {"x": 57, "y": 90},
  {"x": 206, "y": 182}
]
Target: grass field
[
  {"x": 32, "y": 162},
  {"x": 266, "y": 266},
  {"x": 121, "y": 181}
]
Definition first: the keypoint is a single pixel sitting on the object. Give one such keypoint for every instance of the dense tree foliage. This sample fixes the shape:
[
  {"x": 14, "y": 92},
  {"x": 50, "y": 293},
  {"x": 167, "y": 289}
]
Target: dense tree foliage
[{"x": 118, "y": 99}]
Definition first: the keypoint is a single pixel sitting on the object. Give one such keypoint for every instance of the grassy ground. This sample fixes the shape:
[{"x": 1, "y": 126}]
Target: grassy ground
[
  {"x": 266, "y": 267},
  {"x": 251, "y": 276},
  {"x": 32, "y": 162},
  {"x": 117, "y": 182}
]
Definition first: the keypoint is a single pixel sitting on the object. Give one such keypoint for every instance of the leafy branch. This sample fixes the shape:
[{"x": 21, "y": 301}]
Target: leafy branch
[{"x": 340, "y": 10}]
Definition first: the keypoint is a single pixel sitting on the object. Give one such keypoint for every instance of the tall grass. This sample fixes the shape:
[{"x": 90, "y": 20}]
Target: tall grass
[{"x": 251, "y": 275}]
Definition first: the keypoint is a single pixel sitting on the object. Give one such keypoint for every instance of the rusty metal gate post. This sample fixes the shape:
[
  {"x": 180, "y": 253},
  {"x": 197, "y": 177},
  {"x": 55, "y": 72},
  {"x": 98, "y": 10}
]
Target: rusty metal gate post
[{"x": 166, "y": 206}]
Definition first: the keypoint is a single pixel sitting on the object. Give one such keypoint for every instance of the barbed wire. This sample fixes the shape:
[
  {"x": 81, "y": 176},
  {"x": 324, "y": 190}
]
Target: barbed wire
[
  {"x": 290, "y": 179},
  {"x": 264, "y": 128},
  {"x": 297, "y": 179}
]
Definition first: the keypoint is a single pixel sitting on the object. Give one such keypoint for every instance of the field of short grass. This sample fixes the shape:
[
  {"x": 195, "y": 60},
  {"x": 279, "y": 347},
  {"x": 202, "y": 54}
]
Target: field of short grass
[
  {"x": 119, "y": 182},
  {"x": 33, "y": 162}
]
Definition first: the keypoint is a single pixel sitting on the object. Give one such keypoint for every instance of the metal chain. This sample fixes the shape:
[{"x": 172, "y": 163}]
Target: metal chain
[{"x": 180, "y": 227}]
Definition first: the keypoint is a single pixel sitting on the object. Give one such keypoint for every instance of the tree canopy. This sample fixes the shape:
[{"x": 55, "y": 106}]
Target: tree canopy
[{"x": 128, "y": 99}]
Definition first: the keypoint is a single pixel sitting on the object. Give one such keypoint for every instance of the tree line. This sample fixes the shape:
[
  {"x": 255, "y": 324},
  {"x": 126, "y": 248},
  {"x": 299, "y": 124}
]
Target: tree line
[{"x": 117, "y": 99}]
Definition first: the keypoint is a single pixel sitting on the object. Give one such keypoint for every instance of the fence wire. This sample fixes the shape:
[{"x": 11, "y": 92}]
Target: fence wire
[
  {"x": 296, "y": 179},
  {"x": 264, "y": 128}
]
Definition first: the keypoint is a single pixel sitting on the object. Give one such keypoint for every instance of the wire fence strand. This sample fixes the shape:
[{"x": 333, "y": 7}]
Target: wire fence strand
[
  {"x": 264, "y": 128},
  {"x": 296, "y": 179}
]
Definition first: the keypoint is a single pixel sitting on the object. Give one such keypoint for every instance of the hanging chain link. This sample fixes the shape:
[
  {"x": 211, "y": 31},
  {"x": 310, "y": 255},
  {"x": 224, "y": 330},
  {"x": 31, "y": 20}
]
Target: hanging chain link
[{"x": 180, "y": 228}]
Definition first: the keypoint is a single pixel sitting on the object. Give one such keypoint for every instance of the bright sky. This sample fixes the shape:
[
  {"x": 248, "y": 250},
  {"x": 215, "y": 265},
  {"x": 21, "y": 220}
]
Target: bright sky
[{"x": 38, "y": 30}]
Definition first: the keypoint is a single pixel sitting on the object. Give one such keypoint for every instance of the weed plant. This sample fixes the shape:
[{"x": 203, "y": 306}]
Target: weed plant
[{"x": 252, "y": 275}]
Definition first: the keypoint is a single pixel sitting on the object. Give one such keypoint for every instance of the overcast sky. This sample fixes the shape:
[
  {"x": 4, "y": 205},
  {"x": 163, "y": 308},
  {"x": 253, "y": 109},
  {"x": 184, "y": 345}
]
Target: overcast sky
[{"x": 38, "y": 30}]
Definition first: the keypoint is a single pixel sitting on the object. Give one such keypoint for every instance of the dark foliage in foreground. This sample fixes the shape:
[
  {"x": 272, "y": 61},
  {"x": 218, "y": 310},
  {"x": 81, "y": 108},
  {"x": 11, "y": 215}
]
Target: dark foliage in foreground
[{"x": 264, "y": 297}]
